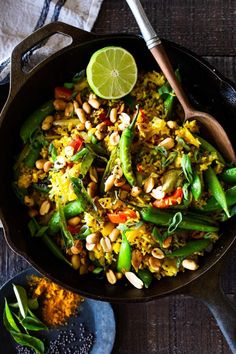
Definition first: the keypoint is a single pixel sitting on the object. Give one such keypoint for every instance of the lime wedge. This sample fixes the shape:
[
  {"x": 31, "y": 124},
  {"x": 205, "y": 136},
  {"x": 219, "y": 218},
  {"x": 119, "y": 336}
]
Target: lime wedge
[{"x": 112, "y": 72}]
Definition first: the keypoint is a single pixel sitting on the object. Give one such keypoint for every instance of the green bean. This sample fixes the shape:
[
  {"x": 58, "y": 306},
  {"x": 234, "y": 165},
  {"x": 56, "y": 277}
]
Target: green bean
[
  {"x": 216, "y": 189},
  {"x": 125, "y": 151},
  {"x": 70, "y": 210},
  {"x": 229, "y": 176},
  {"x": 190, "y": 248},
  {"x": 213, "y": 205},
  {"x": 124, "y": 257},
  {"x": 163, "y": 218},
  {"x": 34, "y": 120},
  {"x": 207, "y": 146}
]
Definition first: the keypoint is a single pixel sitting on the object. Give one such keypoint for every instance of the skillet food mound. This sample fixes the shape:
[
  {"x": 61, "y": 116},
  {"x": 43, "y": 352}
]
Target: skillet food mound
[{"x": 122, "y": 188}]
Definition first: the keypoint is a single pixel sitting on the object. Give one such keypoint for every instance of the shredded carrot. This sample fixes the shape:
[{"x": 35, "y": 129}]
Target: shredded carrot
[{"x": 58, "y": 304}]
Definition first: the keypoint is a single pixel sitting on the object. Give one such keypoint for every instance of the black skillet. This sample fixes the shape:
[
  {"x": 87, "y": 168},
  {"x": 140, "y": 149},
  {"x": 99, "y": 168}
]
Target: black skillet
[{"x": 206, "y": 89}]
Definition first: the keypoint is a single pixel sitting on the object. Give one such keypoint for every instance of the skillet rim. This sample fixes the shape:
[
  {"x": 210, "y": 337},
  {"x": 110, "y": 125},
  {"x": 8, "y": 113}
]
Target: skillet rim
[{"x": 6, "y": 232}]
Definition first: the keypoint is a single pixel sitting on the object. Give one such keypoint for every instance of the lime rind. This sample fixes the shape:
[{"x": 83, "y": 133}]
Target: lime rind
[{"x": 112, "y": 72}]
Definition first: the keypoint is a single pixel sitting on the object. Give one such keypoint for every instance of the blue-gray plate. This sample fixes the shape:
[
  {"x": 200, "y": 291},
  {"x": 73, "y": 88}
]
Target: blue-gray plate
[{"x": 96, "y": 317}]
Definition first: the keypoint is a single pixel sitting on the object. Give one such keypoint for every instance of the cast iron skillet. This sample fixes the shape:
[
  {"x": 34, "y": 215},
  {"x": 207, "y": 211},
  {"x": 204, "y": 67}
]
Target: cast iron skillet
[{"x": 207, "y": 90}]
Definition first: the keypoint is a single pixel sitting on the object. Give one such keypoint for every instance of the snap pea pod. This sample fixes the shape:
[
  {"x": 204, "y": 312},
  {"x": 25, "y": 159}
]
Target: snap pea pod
[
  {"x": 146, "y": 276},
  {"x": 108, "y": 169},
  {"x": 207, "y": 146},
  {"x": 32, "y": 156},
  {"x": 216, "y": 189},
  {"x": 80, "y": 191},
  {"x": 190, "y": 248},
  {"x": 125, "y": 151},
  {"x": 124, "y": 257},
  {"x": 35, "y": 229},
  {"x": 229, "y": 176},
  {"x": 213, "y": 205},
  {"x": 70, "y": 210},
  {"x": 163, "y": 218},
  {"x": 86, "y": 163},
  {"x": 196, "y": 186},
  {"x": 67, "y": 236},
  {"x": 34, "y": 120}
]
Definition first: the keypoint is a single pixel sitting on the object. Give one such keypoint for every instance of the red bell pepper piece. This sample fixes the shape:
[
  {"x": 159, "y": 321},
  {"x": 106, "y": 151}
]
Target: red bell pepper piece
[
  {"x": 77, "y": 143},
  {"x": 167, "y": 201},
  {"x": 121, "y": 217},
  {"x": 63, "y": 93},
  {"x": 73, "y": 229}
]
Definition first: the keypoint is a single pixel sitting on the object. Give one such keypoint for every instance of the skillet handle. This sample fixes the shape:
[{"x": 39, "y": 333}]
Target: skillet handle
[
  {"x": 208, "y": 289},
  {"x": 18, "y": 76}
]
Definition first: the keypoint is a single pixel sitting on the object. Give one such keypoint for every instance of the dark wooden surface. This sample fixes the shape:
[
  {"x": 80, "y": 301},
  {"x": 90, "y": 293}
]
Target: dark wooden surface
[{"x": 177, "y": 324}]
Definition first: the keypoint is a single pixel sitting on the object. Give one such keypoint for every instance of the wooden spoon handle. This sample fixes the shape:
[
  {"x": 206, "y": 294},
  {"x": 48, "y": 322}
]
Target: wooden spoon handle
[{"x": 163, "y": 61}]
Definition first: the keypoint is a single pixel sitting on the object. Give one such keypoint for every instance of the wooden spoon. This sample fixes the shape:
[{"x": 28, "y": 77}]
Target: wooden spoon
[{"x": 212, "y": 126}]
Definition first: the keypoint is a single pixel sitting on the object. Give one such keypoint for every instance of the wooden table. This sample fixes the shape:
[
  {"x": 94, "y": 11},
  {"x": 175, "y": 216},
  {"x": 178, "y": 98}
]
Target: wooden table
[{"x": 177, "y": 324}]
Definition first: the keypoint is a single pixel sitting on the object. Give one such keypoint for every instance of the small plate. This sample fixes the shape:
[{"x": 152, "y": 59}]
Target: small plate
[{"x": 96, "y": 316}]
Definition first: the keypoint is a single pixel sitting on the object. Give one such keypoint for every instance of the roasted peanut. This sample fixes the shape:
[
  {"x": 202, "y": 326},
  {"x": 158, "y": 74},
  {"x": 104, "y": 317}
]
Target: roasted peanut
[
  {"x": 86, "y": 107},
  {"x": 69, "y": 110},
  {"x": 149, "y": 185},
  {"x": 113, "y": 115},
  {"x": 74, "y": 221},
  {"x": 114, "y": 235},
  {"x": 189, "y": 264},
  {"x": 93, "y": 174},
  {"x": 75, "y": 261},
  {"x": 47, "y": 166},
  {"x": 47, "y": 123},
  {"x": 45, "y": 207},
  {"x": 40, "y": 163},
  {"x": 134, "y": 280},
  {"x": 91, "y": 189},
  {"x": 111, "y": 276},
  {"x": 94, "y": 102},
  {"x": 59, "y": 105},
  {"x": 167, "y": 143},
  {"x": 158, "y": 253},
  {"x": 136, "y": 191},
  {"x": 29, "y": 201},
  {"x": 106, "y": 244},
  {"x": 114, "y": 138}
]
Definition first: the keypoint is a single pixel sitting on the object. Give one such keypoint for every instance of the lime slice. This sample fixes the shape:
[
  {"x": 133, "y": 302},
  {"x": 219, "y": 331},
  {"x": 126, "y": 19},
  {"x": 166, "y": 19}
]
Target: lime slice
[{"x": 112, "y": 72}]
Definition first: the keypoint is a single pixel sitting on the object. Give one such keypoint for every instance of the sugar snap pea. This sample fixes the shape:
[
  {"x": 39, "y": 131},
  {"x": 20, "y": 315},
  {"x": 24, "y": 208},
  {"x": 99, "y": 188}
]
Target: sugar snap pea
[
  {"x": 34, "y": 120},
  {"x": 125, "y": 151},
  {"x": 163, "y": 218},
  {"x": 196, "y": 186},
  {"x": 213, "y": 205},
  {"x": 207, "y": 146},
  {"x": 229, "y": 176},
  {"x": 71, "y": 209},
  {"x": 216, "y": 189},
  {"x": 124, "y": 257},
  {"x": 190, "y": 248}
]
